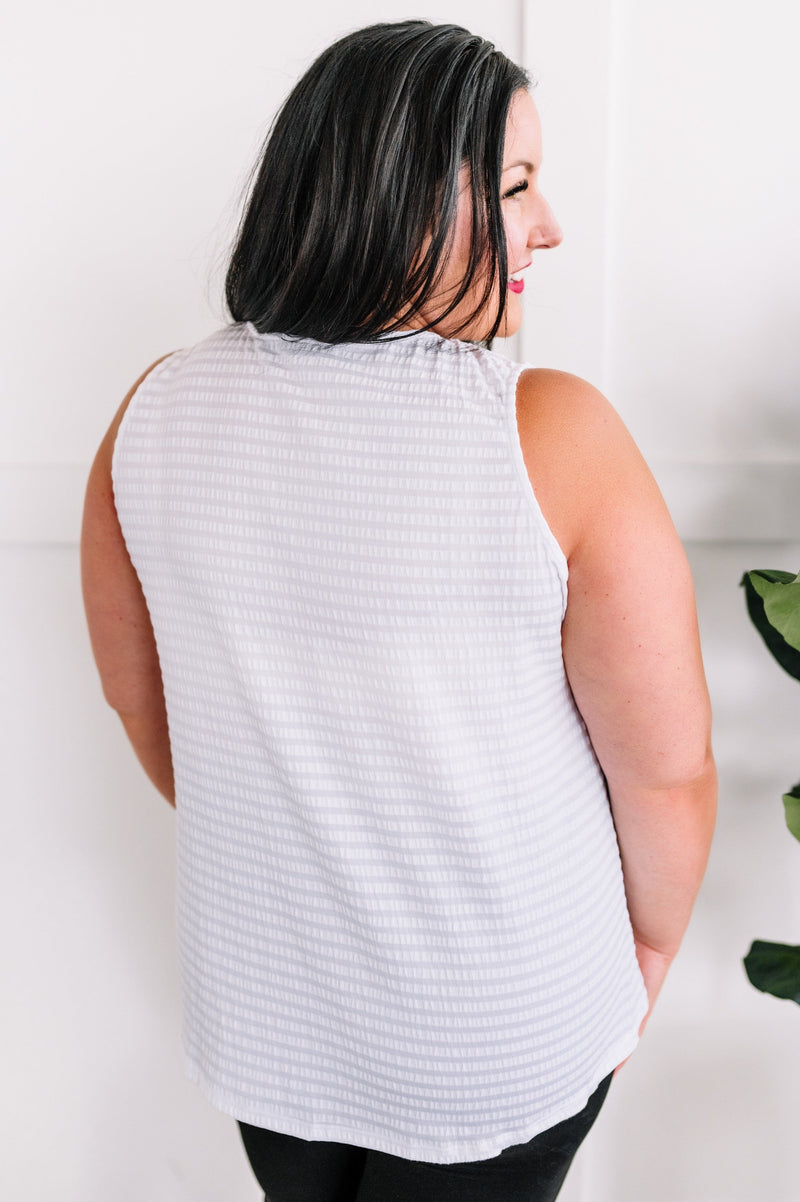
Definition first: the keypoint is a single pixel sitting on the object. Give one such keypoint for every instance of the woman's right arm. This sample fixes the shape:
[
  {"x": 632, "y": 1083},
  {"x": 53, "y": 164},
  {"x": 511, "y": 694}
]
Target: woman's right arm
[{"x": 631, "y": 651}]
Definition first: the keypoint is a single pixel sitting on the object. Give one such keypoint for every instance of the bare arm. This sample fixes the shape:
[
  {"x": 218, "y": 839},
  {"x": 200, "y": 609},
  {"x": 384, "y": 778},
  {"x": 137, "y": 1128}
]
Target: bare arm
[
  {"x": 631, "y": 651},
  {"x": 119, "y": 623}
]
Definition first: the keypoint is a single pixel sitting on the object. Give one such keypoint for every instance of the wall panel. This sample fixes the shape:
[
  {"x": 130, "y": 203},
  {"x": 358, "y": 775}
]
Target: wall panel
[{"x": 672, "y": 152}]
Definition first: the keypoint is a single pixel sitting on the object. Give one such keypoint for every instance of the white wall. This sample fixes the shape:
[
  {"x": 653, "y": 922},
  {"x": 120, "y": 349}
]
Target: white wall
[
  {"x": 675, "y": 290},
  {"x": 670, "y": 157},
  {"x": 130, "y": 134}
]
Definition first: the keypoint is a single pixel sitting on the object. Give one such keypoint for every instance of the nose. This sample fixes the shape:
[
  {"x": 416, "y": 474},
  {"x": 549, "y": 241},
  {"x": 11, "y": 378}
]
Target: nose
[{"x": 545, "y": 230}]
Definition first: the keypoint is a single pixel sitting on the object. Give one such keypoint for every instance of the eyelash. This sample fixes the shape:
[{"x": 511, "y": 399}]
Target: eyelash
[{"x": 520, "y": 187}]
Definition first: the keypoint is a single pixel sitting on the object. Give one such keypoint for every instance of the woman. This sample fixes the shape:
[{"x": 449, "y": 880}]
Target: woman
[{"x": 404, "y": 631}]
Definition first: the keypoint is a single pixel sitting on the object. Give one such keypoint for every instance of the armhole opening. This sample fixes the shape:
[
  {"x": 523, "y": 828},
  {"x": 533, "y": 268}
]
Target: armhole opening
[
  {"x": 557, "y": 555},
  {"x": 151, "y": 375}
]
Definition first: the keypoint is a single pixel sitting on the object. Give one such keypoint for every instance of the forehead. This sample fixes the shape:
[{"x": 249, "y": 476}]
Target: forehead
[
  {"x": 523, "y": 132},
  {"x": 523, "y": 141}
]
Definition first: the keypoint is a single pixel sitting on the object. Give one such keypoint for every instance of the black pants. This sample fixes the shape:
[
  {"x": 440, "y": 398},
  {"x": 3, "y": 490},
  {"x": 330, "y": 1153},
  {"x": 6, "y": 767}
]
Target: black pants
[{"x": 299, "y": 1170}]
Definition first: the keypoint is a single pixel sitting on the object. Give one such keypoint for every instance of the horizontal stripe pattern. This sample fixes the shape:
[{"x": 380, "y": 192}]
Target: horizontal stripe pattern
[{"x": 400, "y": 905}]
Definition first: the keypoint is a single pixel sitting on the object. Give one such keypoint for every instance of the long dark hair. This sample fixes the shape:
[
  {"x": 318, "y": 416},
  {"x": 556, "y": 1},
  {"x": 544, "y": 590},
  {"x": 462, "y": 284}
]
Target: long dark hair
[{"x": 360, "y": 164}]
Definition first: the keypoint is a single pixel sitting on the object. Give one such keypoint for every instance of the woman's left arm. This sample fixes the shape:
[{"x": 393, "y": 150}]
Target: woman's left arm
[{"x": 120, "y": 630}]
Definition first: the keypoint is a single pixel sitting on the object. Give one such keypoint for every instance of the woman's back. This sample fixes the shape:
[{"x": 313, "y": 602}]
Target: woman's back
[
  {"x": 441, "y": 821},
  {"x": 398, "y": 875}
]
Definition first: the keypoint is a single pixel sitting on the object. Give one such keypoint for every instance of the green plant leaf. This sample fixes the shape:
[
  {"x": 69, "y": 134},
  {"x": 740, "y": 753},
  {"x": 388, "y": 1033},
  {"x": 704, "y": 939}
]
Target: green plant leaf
[
  {"x": 781, "y": 605},
  {"x": 774, "y": 968},
  {"x": 768, "y": 599},
  {"x": 791, "y": 803}
]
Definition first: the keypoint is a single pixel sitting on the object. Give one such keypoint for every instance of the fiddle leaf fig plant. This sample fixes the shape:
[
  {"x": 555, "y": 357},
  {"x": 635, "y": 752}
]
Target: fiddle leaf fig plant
[
  {"x": 773, "y": 603},
  {"x": 791, "y": 804}
]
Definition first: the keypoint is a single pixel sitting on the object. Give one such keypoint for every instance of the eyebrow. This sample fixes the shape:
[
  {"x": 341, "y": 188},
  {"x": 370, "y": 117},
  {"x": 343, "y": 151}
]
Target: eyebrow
[{"x": 522, "y": 163}]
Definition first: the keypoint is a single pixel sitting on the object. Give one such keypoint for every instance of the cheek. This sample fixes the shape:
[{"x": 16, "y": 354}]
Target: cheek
[{"x": 515, "y": 241}]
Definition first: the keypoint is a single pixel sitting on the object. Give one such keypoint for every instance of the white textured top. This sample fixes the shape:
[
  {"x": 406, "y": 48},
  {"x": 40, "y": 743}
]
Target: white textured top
[{"x": 401, "y": 914}]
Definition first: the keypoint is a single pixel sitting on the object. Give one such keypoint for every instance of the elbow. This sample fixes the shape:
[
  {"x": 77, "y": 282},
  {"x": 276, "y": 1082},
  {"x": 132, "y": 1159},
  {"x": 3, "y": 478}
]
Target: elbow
[
  {"x": 113, "y": 700},
  {"x": 701, "y": 769},
  {"x": 123, "y": 705},
  {"x": 687, "y": 763},
  {"x": 697, "y": 790},
  {"x": 676, "y": 771},
  {"x": 697, "y": 774},
  {"x": 135, "y": 696}
]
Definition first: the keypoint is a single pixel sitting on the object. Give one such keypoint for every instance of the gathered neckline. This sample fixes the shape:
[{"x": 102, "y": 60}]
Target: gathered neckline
[{"x": 410, "y": 339}]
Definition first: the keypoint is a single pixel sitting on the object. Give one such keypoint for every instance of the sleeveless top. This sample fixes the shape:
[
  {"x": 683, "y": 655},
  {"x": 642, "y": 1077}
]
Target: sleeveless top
[{"x": 400, "y": 907}]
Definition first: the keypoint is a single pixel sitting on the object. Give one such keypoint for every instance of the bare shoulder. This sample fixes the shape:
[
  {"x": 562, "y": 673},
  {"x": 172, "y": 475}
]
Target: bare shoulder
[
  {"x": 566, "y": 410},
  {"x": 578, "y": 453},
  {"x": 539, "y": 385}
]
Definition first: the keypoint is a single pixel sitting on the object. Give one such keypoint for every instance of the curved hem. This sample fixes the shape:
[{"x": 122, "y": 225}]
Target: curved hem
[{"x": 434, "y": 1151}]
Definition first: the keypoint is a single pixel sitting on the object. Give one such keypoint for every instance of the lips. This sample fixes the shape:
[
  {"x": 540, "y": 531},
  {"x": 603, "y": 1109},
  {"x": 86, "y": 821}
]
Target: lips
[{"x": 518, "y": 285}]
